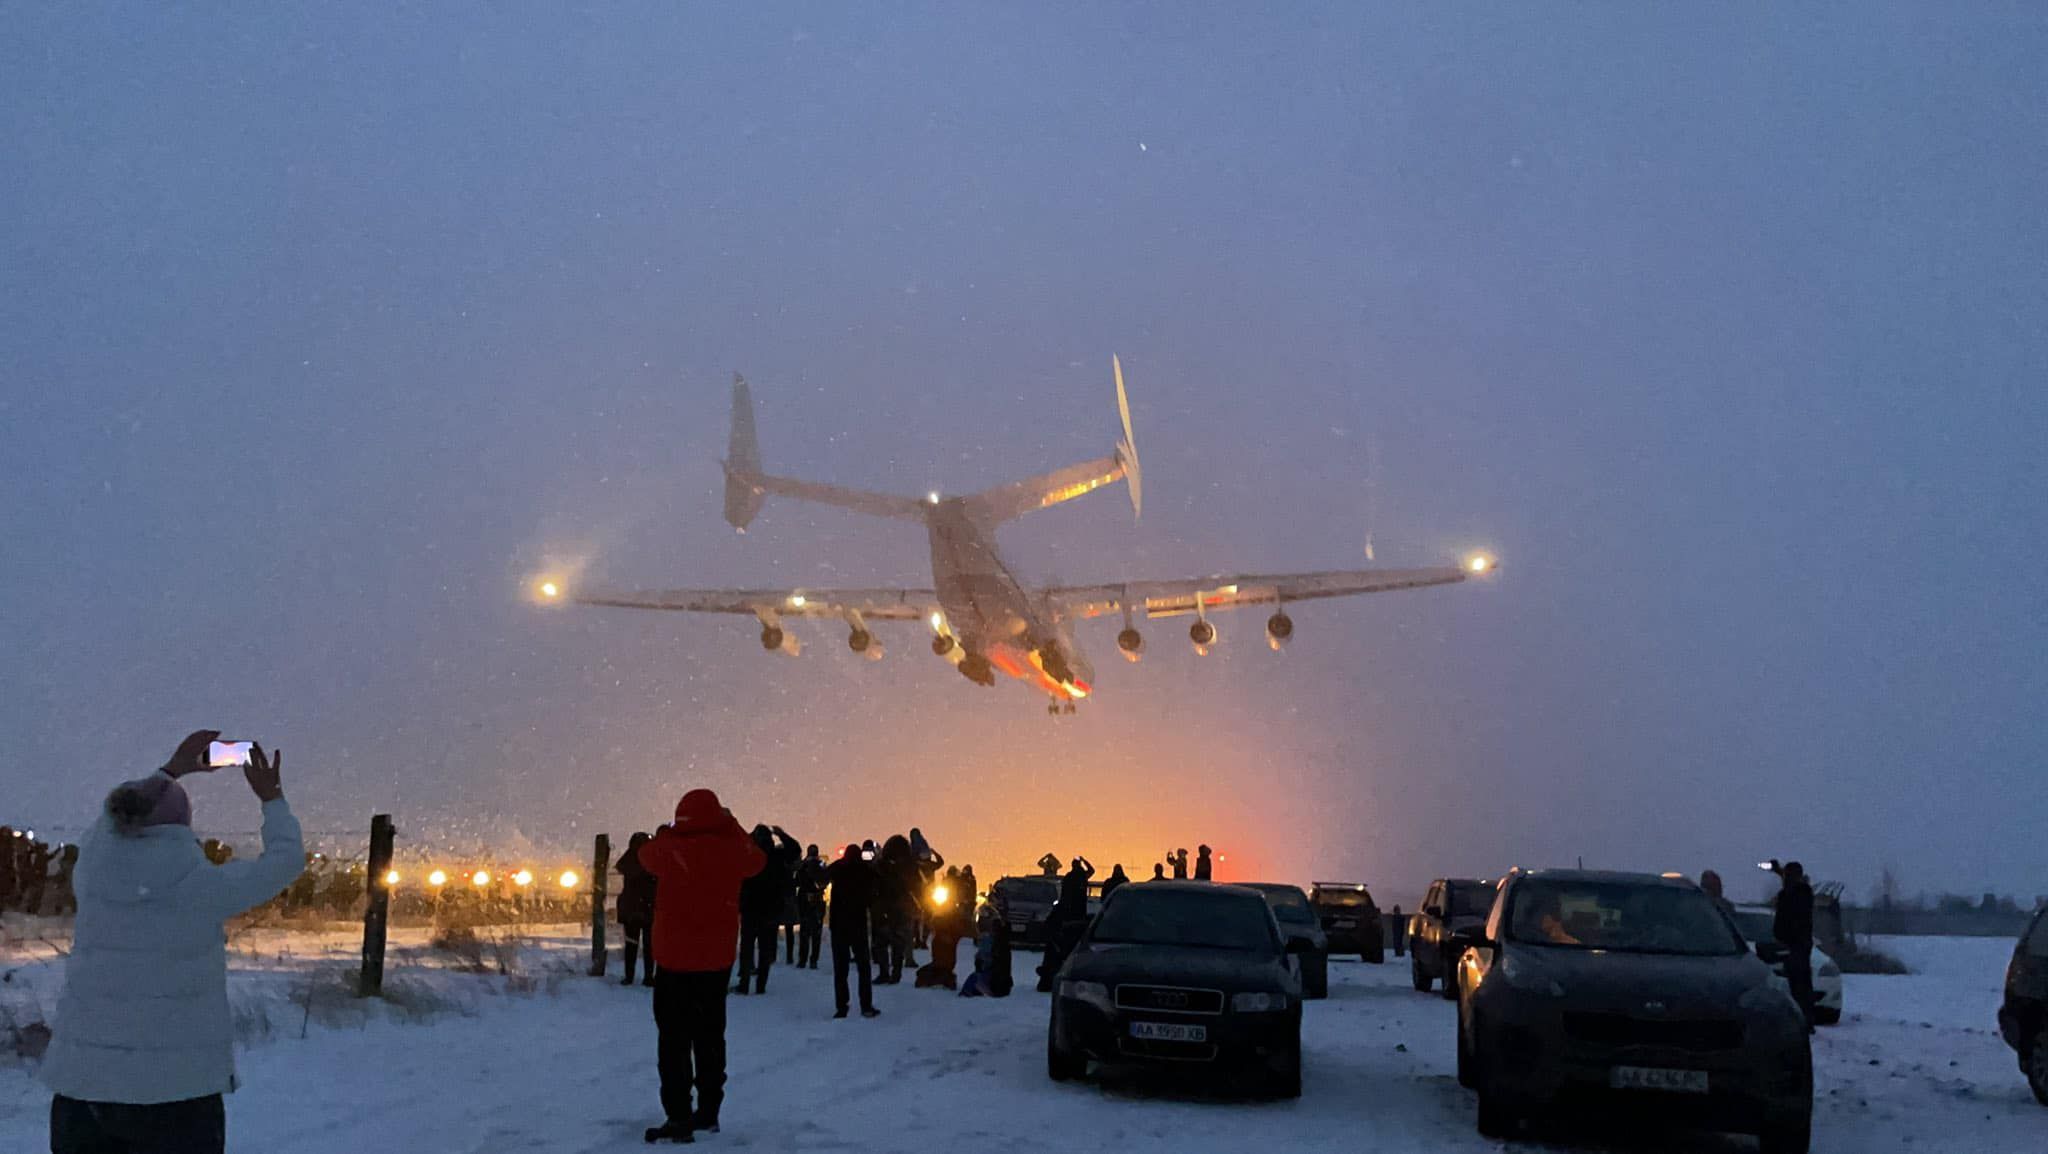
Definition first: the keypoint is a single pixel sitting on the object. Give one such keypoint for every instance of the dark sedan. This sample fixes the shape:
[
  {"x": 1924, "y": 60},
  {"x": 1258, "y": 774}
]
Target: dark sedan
[
  {"x": 1304, "y": 934},
  {"x": 1632, "y": 989},
  {"x": 1180, "y": 975}
]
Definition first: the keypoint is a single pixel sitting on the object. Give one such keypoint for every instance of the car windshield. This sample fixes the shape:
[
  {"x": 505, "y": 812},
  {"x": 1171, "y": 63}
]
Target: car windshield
[
  {"x": 1472, "y": 899},
  {"x": 1289, "y": 905},
  {"x": 1349, "y": 899},
  {"x": 1029, "y": 890},
  {"x": 1141, "y": 915},
  {"x": 1629, "y": 917}
]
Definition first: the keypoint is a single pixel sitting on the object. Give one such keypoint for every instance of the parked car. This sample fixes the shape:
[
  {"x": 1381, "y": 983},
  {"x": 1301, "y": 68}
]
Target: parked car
[
  {"x": 2023, "y": 1019},
  {"x": 1026, "y": 901},
  {"x": 1351, "y": 920},
  {"x": 1628, "y": 988},
  {"x": 1452, "y": 909},
  {"x": 1180, "y": 976},
  {"x": 1305, "y": 939},
  {"x": 1755, "y": 925}
]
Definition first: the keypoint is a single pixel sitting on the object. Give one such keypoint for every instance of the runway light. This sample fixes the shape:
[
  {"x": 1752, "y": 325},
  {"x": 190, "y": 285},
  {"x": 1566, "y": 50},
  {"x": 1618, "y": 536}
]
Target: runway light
[
  {"x": 438, "y": 878},
  {"x": 523, "y": 878},
  {"x": 569, "y": 879},
  {"x": 390, "y": 877},
  {"x": 1479, "y": 563},
  {"x": 480, "y": 878}
]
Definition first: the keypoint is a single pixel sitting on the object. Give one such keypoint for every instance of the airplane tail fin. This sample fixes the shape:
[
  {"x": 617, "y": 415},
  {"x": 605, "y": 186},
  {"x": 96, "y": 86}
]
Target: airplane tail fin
[
  {"x": 747, "y": 487},
  {"x": 1020, "y": 497},
  {"x": 743, "y": 497}
]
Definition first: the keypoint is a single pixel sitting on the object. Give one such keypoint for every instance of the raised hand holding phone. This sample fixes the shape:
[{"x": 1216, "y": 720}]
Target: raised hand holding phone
[
  {"x": 264, "y": 773},
  {"x": 192, "y": 754}
]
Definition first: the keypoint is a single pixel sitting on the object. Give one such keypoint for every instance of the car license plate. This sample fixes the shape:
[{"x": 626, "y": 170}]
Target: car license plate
[
  {"x": 1169, "y": 1032},
  {"x": 1019, "y": 927},
  {"x": 1652, "y": 1078},
  {"x": 1343, "y": 923}
]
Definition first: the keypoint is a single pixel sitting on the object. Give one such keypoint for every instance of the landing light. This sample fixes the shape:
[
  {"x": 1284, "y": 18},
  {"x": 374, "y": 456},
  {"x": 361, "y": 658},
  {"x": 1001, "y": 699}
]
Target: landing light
[
  {"x": 932, "y": 497},
  {"x": 797, "y": 599},
  {"x": 938, "y": 622},
  {"x": 550, "y": 590},
  {"x": 1478, "y": 563}
]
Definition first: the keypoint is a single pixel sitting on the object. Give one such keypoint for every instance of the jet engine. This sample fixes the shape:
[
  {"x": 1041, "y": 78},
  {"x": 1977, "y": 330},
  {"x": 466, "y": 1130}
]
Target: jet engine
[
  {"x": 942, "y": 644},
  {"x": 1131, "y": 643},
  {"x": 771, "y": 638},
  {"x": 1279, "y": 629},
  {"x": 1202, "y": 634}
]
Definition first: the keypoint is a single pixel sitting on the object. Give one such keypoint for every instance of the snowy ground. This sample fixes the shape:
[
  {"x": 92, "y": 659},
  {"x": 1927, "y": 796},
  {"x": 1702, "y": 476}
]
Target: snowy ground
[{"x": 547, "y": 1060}]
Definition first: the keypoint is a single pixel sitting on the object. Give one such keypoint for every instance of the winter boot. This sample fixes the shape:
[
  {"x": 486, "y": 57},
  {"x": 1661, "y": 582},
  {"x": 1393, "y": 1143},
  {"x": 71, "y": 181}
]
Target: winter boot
[{"x": 670, "y": 1132}]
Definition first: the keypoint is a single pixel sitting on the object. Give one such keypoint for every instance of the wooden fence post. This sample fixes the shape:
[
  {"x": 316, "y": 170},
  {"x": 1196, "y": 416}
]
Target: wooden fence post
[
  {"x": 376, "y": 915},
  {"x": 600, "y": 877}
]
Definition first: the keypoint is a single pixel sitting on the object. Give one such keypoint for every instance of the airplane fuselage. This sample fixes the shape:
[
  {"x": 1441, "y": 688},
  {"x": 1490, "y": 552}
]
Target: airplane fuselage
[{"x": 997, "y": 622}]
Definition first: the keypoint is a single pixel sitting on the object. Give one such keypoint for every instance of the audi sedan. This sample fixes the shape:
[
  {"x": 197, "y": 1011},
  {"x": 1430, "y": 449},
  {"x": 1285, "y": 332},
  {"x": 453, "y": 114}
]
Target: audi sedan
[{"x": 1180, "y": 976}]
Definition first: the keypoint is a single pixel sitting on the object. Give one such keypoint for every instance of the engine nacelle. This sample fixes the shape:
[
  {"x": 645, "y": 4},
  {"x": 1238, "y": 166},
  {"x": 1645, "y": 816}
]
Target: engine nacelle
[
  {"x": 942, "y": 644},
  {"x": 976, "y": 668},
  {"x": 1131, "y": 644},
  {"x": 1279, "y": 630},
  {"x": 1202, "y": 633},
  {"x": 772, "y": 638},
  {"x": 859, "y": 640}
]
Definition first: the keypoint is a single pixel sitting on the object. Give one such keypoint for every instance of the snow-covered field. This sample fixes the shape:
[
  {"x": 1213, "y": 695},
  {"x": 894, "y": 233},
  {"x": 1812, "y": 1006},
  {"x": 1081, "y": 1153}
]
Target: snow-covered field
[{"x": 548, "y": 1060}]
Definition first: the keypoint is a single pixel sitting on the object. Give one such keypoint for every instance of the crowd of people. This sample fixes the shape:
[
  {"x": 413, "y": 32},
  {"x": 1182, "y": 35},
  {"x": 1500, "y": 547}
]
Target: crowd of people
[{"x": 35, "y": 876}]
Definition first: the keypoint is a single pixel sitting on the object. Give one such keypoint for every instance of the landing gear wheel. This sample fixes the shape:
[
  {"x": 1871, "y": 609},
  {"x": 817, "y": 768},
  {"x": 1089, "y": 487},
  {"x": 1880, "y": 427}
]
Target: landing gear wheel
[
  {"x": 1416, "y": 975},
  {"x": 2036, "y": 1065},
  {"x": 1061, "y": 1066}
]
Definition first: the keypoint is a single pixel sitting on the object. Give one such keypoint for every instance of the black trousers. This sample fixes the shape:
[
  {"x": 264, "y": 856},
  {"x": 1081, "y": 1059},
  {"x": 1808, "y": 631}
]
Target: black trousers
[
  {"x": 850, "y": 946},
  {"x": 689, "y": 1017},
  {"x": 1799, "y": 974},
  {"x": 789, "y": 943},
  {"x": 639, "y": 943},
  {"x": 757, "y": 951},
  {"x": 810, "y": 937},
  {"x": 194, "y": 1126}
]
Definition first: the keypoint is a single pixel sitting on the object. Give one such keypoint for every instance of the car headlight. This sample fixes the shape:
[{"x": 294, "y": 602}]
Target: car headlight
[
  {"x": 1093, "y": 993},
  {"x": 1258, "y": 1003},
  {"x": 1769, "y": 999},
  {"x": 1525, "y": 978}
]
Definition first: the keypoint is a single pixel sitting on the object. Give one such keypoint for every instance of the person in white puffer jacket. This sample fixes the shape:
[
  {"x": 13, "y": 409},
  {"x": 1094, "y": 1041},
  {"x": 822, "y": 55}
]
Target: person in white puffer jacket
[{"x": 143, "y": 1044}]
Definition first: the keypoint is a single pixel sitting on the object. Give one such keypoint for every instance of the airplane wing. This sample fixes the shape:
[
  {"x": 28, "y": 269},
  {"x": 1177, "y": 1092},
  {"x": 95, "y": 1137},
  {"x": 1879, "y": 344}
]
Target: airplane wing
[
  {"x": 870, "y": 604},
  {"x": 1174, "y": 598}
]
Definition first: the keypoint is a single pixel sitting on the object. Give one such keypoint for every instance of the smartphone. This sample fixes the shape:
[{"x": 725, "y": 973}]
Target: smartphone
[
  {"x": 221, "y": 754},
  {"x": 867, "y": 855},
  {"x": 1767, "y": 865}
]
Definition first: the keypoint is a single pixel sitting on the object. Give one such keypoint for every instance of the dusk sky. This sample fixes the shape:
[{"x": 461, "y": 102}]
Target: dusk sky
[{"x": 324, "y": 330}]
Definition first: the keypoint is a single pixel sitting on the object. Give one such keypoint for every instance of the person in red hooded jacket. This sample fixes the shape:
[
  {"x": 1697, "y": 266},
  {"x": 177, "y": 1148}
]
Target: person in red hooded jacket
[{"x": 698, "y": 861}]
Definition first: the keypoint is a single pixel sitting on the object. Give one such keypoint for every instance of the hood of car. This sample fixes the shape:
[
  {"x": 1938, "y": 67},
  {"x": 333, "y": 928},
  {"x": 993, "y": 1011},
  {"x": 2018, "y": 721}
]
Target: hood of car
[
  {"x": 1629, "y": 983},
  {"x": 1228, "y": 970}
]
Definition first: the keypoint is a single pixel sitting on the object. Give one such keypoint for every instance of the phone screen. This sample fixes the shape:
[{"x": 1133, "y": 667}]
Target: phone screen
[{"x": 226, "y": 753}]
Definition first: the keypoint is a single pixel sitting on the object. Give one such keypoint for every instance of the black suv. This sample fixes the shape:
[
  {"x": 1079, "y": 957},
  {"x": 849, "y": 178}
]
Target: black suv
[
  {"x": 1351, "y": 919},
  {"x": 2023, "y": 1019},
  {"x": 1628, "y": 989},
  {"x": 1305, "y": 937},
  {"x": 1452, "y": 911}
]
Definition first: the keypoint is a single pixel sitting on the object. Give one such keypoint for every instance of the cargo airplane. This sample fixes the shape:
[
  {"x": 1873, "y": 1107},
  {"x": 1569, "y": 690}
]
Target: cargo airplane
[{"x": 982, "y": 617}]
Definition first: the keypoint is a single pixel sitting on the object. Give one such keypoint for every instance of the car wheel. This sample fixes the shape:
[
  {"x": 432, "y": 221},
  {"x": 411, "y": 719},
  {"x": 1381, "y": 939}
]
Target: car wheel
[
  {"x": 1376, "y": 956},
  {"x": 1420, "y": 979},
  {"x": 1826, "y": 1016},
  {"x": 1450, "y": 980},
  {"x": 1789, "y": 1138},
  {"x": 1468, "y": 1076},
  {"x": 2037, "y": 1065},
  {"x": 1061, "y": 1066},
  {"x": 1287, "y": 1071}
]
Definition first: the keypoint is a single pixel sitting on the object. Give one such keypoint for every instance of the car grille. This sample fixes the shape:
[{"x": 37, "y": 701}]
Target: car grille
[
  {"x": 1169, "y": 999},
  {"x": 1698, "y": 1035}
]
